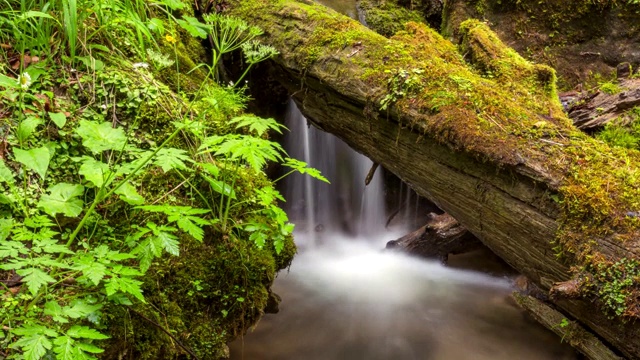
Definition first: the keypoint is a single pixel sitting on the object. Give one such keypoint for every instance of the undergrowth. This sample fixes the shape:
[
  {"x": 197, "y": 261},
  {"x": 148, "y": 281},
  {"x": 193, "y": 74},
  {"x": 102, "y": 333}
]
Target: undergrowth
[{"x": 81, "y": 133}]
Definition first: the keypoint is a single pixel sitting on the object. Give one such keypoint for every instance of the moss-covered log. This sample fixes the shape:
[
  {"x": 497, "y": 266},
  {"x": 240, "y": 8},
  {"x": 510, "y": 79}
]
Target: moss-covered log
[{"x": 498, "y": 155}]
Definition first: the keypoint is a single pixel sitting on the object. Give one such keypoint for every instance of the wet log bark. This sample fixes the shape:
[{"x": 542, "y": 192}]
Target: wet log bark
[
  {"x": 440, "y": 236},
  {"x": 491, "y": 148},
  {"x": 594, "y": 111},
  {"x": 570, "y": 331}
]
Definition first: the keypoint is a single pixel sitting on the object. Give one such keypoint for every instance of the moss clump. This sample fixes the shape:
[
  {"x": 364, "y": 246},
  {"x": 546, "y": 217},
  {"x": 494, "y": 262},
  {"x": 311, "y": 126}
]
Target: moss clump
[
  {"x": 496, "y": 61},
  {"x": 206, "y": 297},
  {"x": 387, "y": 17}
]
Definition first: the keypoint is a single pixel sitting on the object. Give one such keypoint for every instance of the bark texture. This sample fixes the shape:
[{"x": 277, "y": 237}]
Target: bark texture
[
  {"x": 491, "y": 147},
  {"x": 594, "y": 111}
]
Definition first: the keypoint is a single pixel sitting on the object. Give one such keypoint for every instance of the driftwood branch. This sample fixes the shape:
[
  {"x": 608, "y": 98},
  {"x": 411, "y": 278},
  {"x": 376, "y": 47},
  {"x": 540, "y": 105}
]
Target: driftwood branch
[{"x": 441, "y": 236}]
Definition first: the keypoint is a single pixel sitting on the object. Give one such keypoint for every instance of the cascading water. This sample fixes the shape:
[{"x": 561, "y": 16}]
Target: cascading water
[
  {"x": 345, "y": 206},
  {"x": 345, "y": 299}
]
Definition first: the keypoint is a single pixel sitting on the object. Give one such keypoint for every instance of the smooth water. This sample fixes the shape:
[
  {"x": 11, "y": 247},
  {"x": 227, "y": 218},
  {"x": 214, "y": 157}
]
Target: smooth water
[{"x": 345, "y": 298}]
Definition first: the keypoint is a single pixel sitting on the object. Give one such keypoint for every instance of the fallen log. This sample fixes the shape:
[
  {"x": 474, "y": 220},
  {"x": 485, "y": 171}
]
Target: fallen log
[
  {"x": 440, "y": 236},
  {"x": 485, "y": 138}
]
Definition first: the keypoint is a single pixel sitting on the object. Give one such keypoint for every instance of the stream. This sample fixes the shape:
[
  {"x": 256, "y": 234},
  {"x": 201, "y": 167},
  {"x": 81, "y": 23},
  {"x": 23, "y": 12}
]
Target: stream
[{"x": 344, "y": 298}]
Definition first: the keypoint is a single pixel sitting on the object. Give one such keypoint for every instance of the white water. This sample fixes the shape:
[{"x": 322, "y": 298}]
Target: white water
[{"x": 344, "y": 298}]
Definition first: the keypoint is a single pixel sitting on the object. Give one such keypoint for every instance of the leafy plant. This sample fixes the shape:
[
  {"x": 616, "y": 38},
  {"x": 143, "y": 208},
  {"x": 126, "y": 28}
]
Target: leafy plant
[{"x": 401, "y": 83}]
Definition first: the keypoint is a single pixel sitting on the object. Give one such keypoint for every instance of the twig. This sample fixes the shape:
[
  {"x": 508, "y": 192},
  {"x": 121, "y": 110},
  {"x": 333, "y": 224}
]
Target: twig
[
  {"x": 551, "y": 142},
  {"x": 185, "y": 348},
  {"x": 371, "y": 173}
]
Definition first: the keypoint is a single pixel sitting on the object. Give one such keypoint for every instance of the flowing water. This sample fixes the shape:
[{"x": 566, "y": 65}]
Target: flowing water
[{"x": 344, "y": 298}]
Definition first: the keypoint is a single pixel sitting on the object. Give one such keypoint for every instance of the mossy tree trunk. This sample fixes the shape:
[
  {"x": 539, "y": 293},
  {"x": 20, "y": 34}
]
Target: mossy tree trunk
[{"x": 488, "y": 142}]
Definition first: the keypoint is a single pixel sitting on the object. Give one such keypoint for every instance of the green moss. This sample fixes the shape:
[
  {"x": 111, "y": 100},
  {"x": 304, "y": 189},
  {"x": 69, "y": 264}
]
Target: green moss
[{"x": 387, "y": 17}]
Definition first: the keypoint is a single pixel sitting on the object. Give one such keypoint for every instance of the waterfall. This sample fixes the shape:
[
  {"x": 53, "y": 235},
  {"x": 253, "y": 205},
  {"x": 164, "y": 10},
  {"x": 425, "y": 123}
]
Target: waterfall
[{"x": 346, "y": 206}]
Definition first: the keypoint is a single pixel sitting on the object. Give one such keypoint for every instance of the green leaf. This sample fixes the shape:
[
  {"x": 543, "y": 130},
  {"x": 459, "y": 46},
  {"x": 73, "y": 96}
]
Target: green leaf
[
  {"x": 5, "y": 228},
  {"x": 53, "y": 309},
  {"x": 63, "y": 199},
  {"x": 167, "y": 240},
  {"x": 79, "y": 309},
  {"x": 27, "y": 127},
  {"x": 220, "y": 187},
  {"x": 172, "y": 4},
  {"x": 256, "y": 124},
  {"x": 94, "y": 171},
  {"x": 12, "y": 249},
  {"x": 35, "y": 159},
  {"x": 93, "y": 270},
  {"x": 34, "y": 342},
  {"x": 259, "y": 238},
  {"x": 255, "y": 152},
  {"x": 89, "y": 348},
  {"x": 65, "y": 348},
  {"x": 129, "y": 194},
  {"x": 302, "y": 168},
  {"x": 35, "y": 278},
  {"x": 100, "y": 137},
  {"x": 85, "y": 332},
  {"x": 8, "y": 83},
  {"x": 60, "y": 119},
  {"x": 193, "y": 26},
  {"x": 5, "y": 174},
  {"x": 210, "y": 168},
  {"x": 126, "y": 285},
  {"x": 170, "y": 158}
]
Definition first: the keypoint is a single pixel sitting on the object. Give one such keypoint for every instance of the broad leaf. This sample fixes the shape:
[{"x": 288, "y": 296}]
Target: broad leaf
[
  {"x": 85, "y": 332},
  {"x": 94, "y": 171},
  {"x": 27, "y": 127},
  {"x": 193, "y": 26},
  {"x": 220, "y": 187},
  {"x": 100, "y": 137},
  {"x": 5, "y": 174},
  {"x": 60, "y": 119},
  {"x": 5, "y": 228},
  {"x": 129, "y": 194},
  {"x": 34, "y": 159},
  {"x": 35, "y": 278},
  {"x": 8, "y": 83},
  {"x": 63, "y": 199}
]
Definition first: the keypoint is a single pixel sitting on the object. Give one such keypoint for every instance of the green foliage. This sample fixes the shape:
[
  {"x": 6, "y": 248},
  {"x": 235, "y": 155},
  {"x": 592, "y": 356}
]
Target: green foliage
[
  {"x": 623, "y": 136},
  {"x": 401, "y": 83},
  {"x": 610, "y": 88},
  {"x": 77, "y": 226}
]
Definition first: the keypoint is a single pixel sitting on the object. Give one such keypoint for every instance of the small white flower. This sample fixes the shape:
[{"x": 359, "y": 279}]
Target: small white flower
[
  {"x": 103, "y": 107},
  {"x": 143, "y": 65},
  {"x": 24, "y": 80}
]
